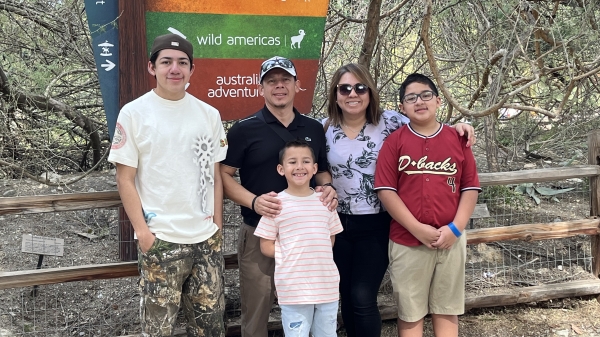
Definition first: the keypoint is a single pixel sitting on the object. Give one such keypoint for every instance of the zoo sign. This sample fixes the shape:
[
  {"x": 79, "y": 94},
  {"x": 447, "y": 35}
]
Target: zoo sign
[
  {"x": 232, "y": 38},
  {"x": 102, "y": 18}
]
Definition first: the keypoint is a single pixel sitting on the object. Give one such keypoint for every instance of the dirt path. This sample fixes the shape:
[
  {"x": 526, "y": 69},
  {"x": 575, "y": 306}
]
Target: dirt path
[{"x": 563, "y": 318}]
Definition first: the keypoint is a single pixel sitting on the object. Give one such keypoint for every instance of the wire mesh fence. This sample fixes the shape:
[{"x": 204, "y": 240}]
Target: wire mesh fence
[
  {"x": 84, "y": 308},
  {"x": 501, "y": 265},
  {"x": 111, "y": 307},
  {"x": 90, "y": 308}
]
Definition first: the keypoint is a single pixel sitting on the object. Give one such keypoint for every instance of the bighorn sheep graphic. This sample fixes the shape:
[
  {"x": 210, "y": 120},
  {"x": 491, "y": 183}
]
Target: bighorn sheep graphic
[{"x": 298, "y": 38}]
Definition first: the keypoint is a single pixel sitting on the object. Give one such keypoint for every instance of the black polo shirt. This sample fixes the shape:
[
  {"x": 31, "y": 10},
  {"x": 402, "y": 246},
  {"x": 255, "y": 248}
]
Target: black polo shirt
[{"x": 254, "y": 150}]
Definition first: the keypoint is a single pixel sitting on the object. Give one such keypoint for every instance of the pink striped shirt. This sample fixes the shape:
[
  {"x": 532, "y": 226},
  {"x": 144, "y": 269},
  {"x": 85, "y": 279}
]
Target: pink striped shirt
[{"x": 304, "y": 269}]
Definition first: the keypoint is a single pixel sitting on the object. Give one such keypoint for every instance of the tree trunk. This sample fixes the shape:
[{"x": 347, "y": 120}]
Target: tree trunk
[
  {"x": 491, "y": 147},
  {"x": 371, "y": 33}
]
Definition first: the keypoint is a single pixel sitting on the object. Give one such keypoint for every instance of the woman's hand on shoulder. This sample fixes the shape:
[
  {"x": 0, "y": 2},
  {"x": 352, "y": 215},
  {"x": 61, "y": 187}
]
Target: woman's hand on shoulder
[
  {"x": 328, "y": 197},
  {"x": 466, "y": 130}
]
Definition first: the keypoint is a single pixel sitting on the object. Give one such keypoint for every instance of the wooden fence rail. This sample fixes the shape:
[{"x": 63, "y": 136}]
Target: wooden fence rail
[
  {"x": 79, "y": 201},
  {"x": 526, "y": 232}
]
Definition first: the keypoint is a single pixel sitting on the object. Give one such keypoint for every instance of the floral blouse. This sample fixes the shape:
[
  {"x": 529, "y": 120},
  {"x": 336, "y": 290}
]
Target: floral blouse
[{"x": 352, "y": 162}]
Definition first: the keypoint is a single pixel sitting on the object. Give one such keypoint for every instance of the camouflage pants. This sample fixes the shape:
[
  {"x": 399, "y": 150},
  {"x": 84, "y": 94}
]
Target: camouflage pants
[{"x": 190, "y": 275}]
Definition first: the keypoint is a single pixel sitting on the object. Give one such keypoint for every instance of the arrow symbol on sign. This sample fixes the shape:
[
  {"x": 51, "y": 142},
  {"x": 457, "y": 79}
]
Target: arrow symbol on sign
[{"x": 109, "y": 65}]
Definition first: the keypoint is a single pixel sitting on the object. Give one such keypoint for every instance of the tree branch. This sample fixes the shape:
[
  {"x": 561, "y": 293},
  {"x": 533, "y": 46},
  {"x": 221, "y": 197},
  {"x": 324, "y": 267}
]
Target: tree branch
[
  {"x": 436, "y": 72},
  {"x": 486, "y": 73},
  {"x": 382, "y": 16},
  {"x": 65, "y": 73},
  {"x": 441, "y": 84},
  {"x": 29, "y": 13},
  {"x": 52, "y": 105},
  {"x": 29, "y": 175}
]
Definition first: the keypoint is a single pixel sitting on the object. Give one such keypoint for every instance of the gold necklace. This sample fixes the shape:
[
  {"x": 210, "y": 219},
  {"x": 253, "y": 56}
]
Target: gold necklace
[{"x": 349, "y": 128}]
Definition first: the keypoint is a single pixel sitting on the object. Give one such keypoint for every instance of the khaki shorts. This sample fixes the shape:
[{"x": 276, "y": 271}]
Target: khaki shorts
[{"x": 428, "y": 280}]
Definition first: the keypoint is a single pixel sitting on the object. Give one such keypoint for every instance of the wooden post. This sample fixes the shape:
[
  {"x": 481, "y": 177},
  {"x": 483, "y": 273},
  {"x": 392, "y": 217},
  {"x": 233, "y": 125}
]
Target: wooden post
[
  {"x": 594, "y": 159},
  {"x": 133, "y": 83}
]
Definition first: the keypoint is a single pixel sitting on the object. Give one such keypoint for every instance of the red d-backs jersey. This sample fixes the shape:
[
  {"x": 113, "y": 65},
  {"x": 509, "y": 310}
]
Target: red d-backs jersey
[{"x": 428, "y": 173}]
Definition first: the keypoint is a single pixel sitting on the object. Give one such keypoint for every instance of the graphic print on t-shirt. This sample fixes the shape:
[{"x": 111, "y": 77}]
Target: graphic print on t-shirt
[
  {"x": 203, "y": 146},
  {"x": 119, "y": 138},
  {"x": 422, "y": 166}
]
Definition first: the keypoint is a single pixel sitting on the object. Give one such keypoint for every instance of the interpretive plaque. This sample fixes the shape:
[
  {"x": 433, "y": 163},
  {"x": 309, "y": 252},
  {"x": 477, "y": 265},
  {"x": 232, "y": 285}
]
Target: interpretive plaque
[
  {"x": 42, "y": 245},
  {"x": 480, "y": 211}
]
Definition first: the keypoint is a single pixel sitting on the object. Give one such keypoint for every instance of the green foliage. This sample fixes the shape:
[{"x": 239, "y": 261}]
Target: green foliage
[
  {"x": 502, "y": 196},
  {"x": 536, "y": 192}
]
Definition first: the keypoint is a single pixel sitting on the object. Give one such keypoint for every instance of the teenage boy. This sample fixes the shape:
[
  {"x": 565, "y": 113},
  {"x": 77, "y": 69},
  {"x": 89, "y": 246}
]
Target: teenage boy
[
  {"x": 300, "y": 239},
  {"x": 254, "y": 148},
  {"x": 167, "y": 148},
  {"x": 427, "y": 180}
]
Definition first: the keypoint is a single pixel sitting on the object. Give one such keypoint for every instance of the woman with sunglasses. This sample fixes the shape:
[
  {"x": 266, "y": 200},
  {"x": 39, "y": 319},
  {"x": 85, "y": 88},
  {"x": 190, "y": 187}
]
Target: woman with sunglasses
[{"x": 355, "y": 130}]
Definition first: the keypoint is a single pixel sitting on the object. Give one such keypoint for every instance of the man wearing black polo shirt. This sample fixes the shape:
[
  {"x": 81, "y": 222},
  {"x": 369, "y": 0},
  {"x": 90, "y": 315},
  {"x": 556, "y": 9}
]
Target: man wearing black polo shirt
[{"x": 254, "y": 145}]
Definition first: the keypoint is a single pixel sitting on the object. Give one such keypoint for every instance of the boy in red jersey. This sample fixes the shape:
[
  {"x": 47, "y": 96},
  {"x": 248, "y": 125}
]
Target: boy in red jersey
[
  {"x": 300, "y": 239},
  {"x": 427, "y": 180}
]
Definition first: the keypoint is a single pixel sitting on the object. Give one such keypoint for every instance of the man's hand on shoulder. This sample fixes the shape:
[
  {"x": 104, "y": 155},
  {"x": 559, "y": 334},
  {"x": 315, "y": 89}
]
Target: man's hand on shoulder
[{"x": 267, "y": 205}]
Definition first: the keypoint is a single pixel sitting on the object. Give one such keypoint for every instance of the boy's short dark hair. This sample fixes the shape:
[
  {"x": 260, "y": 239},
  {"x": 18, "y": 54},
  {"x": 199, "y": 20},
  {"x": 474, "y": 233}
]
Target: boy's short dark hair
[
  {"x": 416, "y": 78},
  {"x": 296, "y": 143}
]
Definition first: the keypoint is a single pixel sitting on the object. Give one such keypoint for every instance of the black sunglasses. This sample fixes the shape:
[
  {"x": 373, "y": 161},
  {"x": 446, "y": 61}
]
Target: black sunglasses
[{"x": 346, "y": 89}]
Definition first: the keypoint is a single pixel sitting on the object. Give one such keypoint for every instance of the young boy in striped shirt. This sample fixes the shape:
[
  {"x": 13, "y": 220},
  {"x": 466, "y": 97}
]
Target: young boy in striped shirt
[{"x": 300, "y": 239}]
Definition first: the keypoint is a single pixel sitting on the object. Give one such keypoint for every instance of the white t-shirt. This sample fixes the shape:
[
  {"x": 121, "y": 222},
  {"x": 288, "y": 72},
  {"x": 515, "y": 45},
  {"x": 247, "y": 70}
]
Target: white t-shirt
[
  {"x": 352, "y": 162},
  {"x": 304, "y": 269},
  {"x": 174, "y": 146}
]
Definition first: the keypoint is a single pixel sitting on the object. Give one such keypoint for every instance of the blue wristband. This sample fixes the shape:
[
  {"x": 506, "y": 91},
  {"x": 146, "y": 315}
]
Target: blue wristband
[{"x": 454, "y": 230}]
